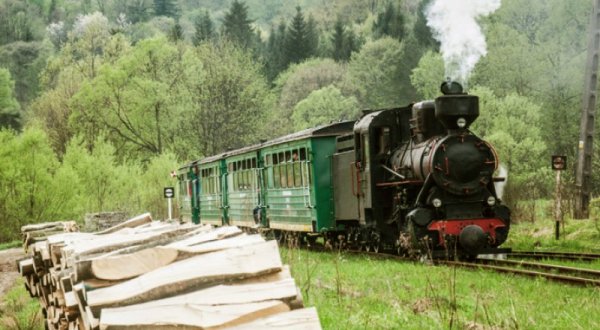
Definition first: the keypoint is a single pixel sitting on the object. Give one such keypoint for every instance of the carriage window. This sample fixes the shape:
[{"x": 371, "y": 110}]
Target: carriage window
[
  {"x": 297, "y": 174},
  {"x": 268, "y": 160},
  {"x": 276, "y": 174},
  {"x": 283, "y": 176},
  {"x": 303, "y": 154}
]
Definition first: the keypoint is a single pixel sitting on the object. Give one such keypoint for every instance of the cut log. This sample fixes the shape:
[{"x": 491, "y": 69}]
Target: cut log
[
  {"x": 190, "y": 316},
  {"x": 212, "y": 246},
  {"x": 126, "y": 266},
  {"x": 299, "y": 319},
  {"x": 131, "y": 265},
  {"x": 190, "y": 274},
  {"x": 42, "y": 226},
  {"x": 218, "y": 233},
  {"x": 25, "y": 266},
  {"x": 131, "y": 223},
  {"x": 107, "y": 243},
  {"x": 284, "y": 290}
]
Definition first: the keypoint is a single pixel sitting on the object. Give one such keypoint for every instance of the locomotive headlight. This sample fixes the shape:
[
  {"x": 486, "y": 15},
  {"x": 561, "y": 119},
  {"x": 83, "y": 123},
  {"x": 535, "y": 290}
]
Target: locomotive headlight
[
  {"x": 461, "y": 122},
  {"x": 491, "y": 201},
  {"x": 436, "y": 202}
]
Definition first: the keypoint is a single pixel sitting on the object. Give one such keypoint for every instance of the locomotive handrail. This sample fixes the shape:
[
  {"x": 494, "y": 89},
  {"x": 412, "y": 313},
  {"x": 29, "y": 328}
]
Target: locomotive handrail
[
  {"x": 402, "y": 177},
  {"x": 398, "y": 183},
  {"x": 352, "y": 166}
]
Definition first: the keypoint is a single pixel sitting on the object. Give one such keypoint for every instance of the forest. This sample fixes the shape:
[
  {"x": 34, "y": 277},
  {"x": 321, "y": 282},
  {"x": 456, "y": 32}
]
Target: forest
[{"x": 101, "y": 100}]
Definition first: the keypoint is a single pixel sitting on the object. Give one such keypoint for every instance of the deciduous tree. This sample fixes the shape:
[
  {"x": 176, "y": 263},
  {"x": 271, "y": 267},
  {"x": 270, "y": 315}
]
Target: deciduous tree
[{"x": 324, "y": 106}]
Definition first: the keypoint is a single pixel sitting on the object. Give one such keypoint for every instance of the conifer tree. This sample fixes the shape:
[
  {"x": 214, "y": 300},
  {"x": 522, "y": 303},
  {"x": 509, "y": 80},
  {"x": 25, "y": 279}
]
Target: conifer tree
[
  {"x": 390, "y": 23},
  {"x": 176, "y": 33},
  {"x": 276, "y": 59},
  {"x": 301, "y": 39},
  {"x": 204, "y": 28},
  {"x": 237, "y": 26},
  {"x": 165, "y": 8},
  {"x": 344, "y": 42},
  {"x": 421, "y": 31},
  {"x": 337, "y": 39}
]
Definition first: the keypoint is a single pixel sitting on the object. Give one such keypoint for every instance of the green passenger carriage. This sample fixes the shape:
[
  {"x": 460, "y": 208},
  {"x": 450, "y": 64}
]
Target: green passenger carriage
[{"x": 282, "y": 184}]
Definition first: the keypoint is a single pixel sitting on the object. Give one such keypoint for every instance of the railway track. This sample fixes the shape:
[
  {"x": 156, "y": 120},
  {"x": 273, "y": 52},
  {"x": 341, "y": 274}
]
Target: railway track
[
  {"x": 555, "y": 273},
  {"x": 538, "y": 255}
]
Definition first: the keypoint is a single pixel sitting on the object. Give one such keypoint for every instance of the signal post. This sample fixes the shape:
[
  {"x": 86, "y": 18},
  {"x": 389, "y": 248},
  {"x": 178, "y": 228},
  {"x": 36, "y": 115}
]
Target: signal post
[{"x": 559, "y": 164}]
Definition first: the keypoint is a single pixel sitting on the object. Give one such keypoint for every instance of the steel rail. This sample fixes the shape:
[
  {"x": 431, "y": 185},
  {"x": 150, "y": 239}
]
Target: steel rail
[
  {"x": 553, "y": 277},
  {"x": 555, "y": 255}
]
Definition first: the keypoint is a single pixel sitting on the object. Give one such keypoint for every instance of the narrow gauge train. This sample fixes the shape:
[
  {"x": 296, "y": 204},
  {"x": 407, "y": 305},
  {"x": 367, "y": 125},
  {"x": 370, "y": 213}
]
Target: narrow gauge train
[{"x": 413, "y": 179}]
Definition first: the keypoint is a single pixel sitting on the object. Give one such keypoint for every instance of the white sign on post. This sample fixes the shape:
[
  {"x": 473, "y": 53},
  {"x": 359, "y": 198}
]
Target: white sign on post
[{"x": 169, "y": 193}]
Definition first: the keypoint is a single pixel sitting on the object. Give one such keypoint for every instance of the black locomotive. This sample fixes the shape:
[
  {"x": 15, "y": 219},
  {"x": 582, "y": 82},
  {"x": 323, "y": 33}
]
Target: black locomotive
[{"x": 426, "y": 181}]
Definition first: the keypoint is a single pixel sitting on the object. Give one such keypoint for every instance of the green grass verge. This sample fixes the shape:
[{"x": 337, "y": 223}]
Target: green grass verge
[
  {"x": 19, "y": 311},
  {"x": 357, "y": 292},
  {"x": 10, "y": 245},
  {"x": 575, "y": 235}
]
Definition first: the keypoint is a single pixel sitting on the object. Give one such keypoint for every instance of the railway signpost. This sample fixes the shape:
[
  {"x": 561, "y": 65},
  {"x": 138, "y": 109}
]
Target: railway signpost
[
  {"x": 559, "y": 164},
  {"x": 169, "y": 193}
]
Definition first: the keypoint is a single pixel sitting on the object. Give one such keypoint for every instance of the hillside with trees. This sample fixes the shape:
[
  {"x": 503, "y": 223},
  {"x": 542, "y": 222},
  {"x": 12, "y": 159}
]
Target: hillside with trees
[{"x": 101, "y": 100}]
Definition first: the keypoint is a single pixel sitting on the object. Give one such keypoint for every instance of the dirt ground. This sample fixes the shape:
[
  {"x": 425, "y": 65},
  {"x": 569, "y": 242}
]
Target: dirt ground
[{"x": 8, "y": 268}]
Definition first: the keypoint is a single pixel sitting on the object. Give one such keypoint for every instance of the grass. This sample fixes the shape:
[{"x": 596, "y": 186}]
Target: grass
[
  {"x": 575, "y": 235},
  {"x": 10, "y": 245},
  {"x": 358, "y": 292},
  {"x": 18, "y": 311}
]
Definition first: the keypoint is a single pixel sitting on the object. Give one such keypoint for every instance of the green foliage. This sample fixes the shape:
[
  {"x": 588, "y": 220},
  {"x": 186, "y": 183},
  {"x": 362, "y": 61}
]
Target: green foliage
[
  {"x": 378, "y": 74},
  {"x": 390, "y": 23},
  {"x": 134, "y": 99},
  {"x": 324, "y": 106},
  {"x": 428, "y": 75},
  {"x": 25, "y": 61},
  {"x": 29, "y": 192},
  {"x": 9, "y": 107},
  {"x": 301, "y": 38},
  {"x": 176, "y": 33},
  {"x": 10, "y": 245},
  {"x": 204, "y": 28},
  {"x": 276, "y": 59},
  {"x": 344, "y": 42},
  {"x": 512, "y": 125},
  {"x": 19, "y": 311},
  {"x": 165, "y": 8},
  {"x": 229, "y": 98},
  {"x": 298, "y": 81},
  {"x": 151, "y": 182},
  {"x": 237, "y": 26}
]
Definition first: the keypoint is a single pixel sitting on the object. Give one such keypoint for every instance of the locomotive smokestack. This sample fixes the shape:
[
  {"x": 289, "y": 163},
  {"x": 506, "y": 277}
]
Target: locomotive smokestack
[{"x": 455, "y": 109}]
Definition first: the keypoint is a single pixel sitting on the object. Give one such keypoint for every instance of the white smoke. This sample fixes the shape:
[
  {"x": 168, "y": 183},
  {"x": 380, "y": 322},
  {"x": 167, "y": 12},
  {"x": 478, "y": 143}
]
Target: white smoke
[
  {"x": 502, "y": 173},
  {"x": 454, "y": 25}
]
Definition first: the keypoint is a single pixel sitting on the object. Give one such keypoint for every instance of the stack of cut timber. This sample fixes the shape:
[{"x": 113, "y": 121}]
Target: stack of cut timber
[
  {"x": 38, "y": 232},
  {"x": 146, "y": 274}
]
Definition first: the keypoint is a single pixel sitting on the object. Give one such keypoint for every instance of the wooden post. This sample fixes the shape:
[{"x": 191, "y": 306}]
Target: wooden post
[
  {"x": 583, "y": 172},
  {"x": 557, "y": 205}
]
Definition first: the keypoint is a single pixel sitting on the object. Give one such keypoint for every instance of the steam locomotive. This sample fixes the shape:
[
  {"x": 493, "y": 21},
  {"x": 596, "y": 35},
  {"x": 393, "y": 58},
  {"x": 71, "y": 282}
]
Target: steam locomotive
[{"x": 413, "y": 179}]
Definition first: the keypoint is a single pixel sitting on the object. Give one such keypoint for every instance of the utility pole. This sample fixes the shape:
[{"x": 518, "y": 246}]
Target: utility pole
[{"x": 586, "y": 136}]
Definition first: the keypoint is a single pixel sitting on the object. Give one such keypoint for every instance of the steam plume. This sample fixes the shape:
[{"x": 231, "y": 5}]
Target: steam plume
[{"x": 454, "y": 25}]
